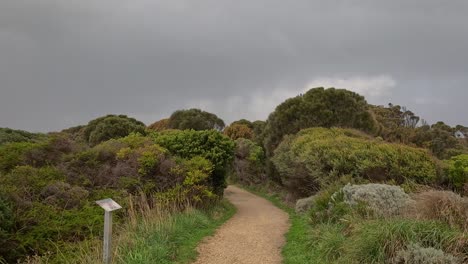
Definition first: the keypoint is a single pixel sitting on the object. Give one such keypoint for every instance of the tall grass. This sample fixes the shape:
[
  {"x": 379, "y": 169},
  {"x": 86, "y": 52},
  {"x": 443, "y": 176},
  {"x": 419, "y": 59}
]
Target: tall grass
[{"x": 149, "y": 234}]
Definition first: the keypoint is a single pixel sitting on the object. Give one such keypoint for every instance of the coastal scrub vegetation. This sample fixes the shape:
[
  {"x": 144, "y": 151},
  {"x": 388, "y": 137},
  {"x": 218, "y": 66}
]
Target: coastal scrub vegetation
[{"x": 375, "y": 184}]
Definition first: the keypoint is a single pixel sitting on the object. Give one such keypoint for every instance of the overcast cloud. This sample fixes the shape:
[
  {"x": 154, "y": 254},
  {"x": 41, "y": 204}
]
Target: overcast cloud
[{"x": 63, "y": 63}]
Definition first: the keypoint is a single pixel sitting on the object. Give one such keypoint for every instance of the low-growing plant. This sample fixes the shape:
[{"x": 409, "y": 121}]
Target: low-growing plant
[{"x": 415, "y": 254}]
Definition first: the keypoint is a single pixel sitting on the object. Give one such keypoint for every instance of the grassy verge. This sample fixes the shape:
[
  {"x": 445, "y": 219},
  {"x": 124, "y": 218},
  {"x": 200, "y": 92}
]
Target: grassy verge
[
  {"x": 149, "y": 236},
  {"x": 175, "y": 240},
  {"x": 342, "y": 234},
  {"x": 297, "y": 248}
]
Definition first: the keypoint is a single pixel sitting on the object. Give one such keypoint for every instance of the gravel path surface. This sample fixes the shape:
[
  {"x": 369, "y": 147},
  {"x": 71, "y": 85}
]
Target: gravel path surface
[{"x": 255, "y": 234}]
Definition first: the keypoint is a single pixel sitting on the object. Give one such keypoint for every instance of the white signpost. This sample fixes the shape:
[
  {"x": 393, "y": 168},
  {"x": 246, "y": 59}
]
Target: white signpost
[{"x": 108, "y": 205}]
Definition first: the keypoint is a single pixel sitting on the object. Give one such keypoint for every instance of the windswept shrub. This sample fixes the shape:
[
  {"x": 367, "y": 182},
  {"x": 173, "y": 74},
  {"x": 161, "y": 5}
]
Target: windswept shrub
[
  {"x": 415, "y": 254},
  {"x": 318, "y": 156}
]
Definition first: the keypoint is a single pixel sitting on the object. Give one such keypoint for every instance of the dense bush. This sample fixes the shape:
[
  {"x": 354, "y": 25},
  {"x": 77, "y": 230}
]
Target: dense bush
[
  {"x": 48, "y": 188},
  {"x": 248, "y": 165},
  {"x": 209, "y": 144},
  {"x": 318, "y": 107},
  {"x": 195, "y": 119},
  {"x": 48, "y": 151},
  {"x": 8, "y": 135},
  {"x": 458, "y": 171},
  {"x": 111, "y": 126},
  {"x": 318, "y": 156}
]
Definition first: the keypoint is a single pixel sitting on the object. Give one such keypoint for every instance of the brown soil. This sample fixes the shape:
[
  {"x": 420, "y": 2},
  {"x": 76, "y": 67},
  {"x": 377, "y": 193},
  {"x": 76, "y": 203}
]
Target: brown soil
[{"x": 255, "y": 234}]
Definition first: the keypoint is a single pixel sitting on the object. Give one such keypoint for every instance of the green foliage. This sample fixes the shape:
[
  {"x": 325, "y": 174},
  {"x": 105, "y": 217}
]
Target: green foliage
[
  {"x": 209, "y": 144},
  {"x": 49, "y": 151},
  {"x": 8, "y": 135},
  {"x": 12, "y": 154},
  {"x": 458, "y": 171},
  {"x": 249, "y": 162},
  {"x": 7, "y": 222},
  {"x": 318, "y": 156},
  {"x": 318, "y": 107},
  {"x": 195, "y": 119},
  {"x": 111, "y": 126}
]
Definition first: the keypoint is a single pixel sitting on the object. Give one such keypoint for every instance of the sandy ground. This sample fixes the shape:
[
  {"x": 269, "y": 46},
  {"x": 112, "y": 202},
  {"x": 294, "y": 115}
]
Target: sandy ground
[{"x": 255, "y": 234}]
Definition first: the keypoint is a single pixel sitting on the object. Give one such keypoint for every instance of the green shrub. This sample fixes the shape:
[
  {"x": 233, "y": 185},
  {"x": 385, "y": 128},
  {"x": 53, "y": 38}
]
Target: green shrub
[
  {"x": 8, "y": 135},
  {"x": 12, "y": 155},
  {"x": 318, "y": 156},
  {"x": 458, "y": 170},
  {"x": 26, "y": 183},
  {"x": 111, "y": 126},
  {"x": 209, "y": 144},
  {"x": 48, "y": 151}
]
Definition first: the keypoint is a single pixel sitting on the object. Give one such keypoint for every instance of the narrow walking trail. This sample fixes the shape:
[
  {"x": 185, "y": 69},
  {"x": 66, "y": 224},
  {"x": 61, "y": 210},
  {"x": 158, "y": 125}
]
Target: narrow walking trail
[{"x": 255, "y": 234}]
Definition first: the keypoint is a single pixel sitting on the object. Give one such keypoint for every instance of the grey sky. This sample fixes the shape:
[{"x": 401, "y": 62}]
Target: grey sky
[{"x": 63, "y": 63}]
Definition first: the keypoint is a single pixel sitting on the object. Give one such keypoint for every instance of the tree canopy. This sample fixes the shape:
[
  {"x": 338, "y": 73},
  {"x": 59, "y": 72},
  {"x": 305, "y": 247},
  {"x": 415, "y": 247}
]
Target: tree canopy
[
  {"x": 318, "y": 107},
  {"x": 236, "y": 131},
  {"x": 195, "y": 119},
  {"x": 111, "y": 126}
]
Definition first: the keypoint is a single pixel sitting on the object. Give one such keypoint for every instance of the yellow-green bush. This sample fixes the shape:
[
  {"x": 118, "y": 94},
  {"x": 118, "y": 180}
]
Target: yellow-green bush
[
  {"x": 318, "y": 156},
  {"x": 458, "y": 171}
]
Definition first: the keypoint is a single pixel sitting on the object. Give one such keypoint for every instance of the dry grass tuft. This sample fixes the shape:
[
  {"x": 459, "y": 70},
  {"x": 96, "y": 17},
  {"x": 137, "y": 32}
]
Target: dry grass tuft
[{"x": 444, "y": 206}]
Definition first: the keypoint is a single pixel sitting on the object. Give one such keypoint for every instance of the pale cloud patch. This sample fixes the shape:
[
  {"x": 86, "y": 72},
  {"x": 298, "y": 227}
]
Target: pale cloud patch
[
  {"x": 372, "y": 87},
  {"x": 260, "y": 103}
]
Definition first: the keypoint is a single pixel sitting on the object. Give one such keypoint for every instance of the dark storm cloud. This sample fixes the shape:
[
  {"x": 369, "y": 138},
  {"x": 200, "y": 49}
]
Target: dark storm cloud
[{"x": 65, "y": 62}]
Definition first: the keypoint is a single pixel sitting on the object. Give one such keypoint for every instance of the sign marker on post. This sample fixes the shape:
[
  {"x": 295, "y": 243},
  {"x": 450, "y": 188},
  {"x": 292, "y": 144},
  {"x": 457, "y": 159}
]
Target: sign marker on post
[{"x": 108, "y": 205}]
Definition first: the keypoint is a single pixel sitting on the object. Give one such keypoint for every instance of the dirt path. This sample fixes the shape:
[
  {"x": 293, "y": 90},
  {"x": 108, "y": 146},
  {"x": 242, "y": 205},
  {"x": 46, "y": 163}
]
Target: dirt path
[{"x": 255, "y": 234}]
